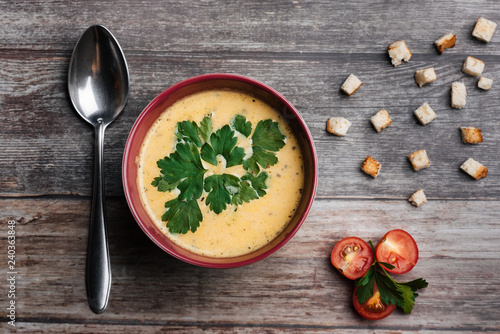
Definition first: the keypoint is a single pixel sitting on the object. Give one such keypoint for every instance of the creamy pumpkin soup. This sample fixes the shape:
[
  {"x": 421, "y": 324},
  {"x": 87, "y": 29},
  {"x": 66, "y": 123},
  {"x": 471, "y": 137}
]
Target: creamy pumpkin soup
[{"x": 220, "y": 173}]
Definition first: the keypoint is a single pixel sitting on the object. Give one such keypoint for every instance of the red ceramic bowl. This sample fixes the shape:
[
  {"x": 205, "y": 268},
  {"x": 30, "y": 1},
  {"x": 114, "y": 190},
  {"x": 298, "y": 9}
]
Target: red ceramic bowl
[{"x": 189, "y": 87}]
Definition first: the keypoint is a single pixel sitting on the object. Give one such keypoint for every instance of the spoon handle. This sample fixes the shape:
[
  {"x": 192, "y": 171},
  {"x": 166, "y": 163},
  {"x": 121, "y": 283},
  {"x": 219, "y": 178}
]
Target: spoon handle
[{"x": 98, "y": 270}]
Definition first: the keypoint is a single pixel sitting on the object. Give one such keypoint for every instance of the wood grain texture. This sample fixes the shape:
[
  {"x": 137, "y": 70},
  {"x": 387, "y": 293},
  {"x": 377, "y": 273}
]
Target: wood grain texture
[
  {"x": 39, "y": 129},
  {"x": 305, "y": 50},
  {"x": 294, "y": 289}
]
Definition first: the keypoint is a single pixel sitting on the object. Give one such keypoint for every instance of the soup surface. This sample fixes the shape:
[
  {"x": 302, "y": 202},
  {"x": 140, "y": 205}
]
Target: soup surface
[{"x": 236, "y": 230}]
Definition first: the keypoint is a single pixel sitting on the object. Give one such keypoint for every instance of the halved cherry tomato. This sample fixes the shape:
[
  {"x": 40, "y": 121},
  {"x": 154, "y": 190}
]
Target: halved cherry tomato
[
  {"x": 352, "y": 257},
  {"x": 398, "y": 248},
  {"x": 374, "y": 308}
]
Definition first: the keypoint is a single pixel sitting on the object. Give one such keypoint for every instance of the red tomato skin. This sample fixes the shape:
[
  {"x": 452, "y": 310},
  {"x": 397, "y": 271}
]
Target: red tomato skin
[
  {"x": 367, "y": 314},
  {"x": 361, "y": 261},
  {"x": 406, "y": 254}
]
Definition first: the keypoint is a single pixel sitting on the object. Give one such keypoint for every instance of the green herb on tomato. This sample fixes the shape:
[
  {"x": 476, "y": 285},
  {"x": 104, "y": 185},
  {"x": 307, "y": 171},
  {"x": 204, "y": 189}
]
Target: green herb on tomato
[{"x": 391, "y": 292}]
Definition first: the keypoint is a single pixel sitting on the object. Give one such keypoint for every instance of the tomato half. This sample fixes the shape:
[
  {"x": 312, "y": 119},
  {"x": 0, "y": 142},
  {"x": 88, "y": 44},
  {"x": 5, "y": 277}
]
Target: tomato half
[
  {"x": 374, "y": 308},
  {"x": 352, "y": 257},
  {"x": 398, "y": 248}
]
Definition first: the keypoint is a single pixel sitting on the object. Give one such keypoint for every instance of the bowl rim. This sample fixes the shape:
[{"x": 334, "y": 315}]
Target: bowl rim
[{"x": 157, "y": 100}]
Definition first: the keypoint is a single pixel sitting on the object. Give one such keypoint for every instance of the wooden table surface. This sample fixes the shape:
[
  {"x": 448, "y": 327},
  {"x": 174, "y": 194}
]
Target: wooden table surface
[{"x": 305, "y": 50}]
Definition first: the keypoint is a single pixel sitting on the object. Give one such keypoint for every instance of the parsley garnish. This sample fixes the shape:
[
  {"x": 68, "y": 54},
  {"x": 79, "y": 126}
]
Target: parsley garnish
[
  {"x": 391, "y": 291},
  {"x": 217, "y": 187},
  {"x": 241, "y": 125},
  {"x": 223, "y": 142},
  {"x": 183, "y": 170},
  {"x": 266, "y": 139}
]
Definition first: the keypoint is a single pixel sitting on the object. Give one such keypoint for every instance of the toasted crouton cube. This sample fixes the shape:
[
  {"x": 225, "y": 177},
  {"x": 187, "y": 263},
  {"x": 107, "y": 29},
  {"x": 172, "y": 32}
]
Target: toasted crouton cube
[
  {"x": 338, "y": 125},
  {"x": 425, "y": 114},
  {"x": 484, "y": 29},
  {"x": 351, "y": 84},
  {"x": 471, "y": 135},
  {"x": 458, "y": 95},
  {"x": 381, "y": 120},
  {"x": 425, "y": 76},
  {"x": 371, "y": 166},
  {"x": 418, "y": 198},
  {"x": 419, "y": 160},
  {"x": 474, "y": 169},
  {"x": 473, "y": 66},
  {"x": 485, "y": 83},
  {"x": 398, "y": 51},
  {"x": 445, "y": 42}
]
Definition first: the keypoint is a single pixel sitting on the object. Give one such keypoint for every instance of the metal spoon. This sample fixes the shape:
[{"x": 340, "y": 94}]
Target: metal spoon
[{"x": 98, "y": 83}]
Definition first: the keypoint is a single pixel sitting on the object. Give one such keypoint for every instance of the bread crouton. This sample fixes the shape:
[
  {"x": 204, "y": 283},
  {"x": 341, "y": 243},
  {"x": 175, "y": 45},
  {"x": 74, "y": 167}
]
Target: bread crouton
[
  {"x": 473, "y": 66},
  {"x": 425, "y": 114},
  {"x": 425, "y": 76},
  {"x": 338, "y": 125},
  {"x": 484, "y": 83},
  {"x": 351, "y": 84},
  {"x": 381, "y": 120},
  {"x": 474, "y": 169},
  {"x": 445, "y": 42},
  {"x": 484, "y": 29},
  {"x": 398, "y": 51},
  {"x": 458, "y": 95},
  {"x": 371, "y": 166},
  {"x": 418, "y": 198},
  {"x": 419, "y": 160},
  {"x": 471, "y": 135}
]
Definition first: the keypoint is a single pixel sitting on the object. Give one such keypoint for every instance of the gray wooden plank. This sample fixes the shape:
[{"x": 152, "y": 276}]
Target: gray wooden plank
[
  {"x": 294, "y": 288},
  {"x": 147, "y": 328},
  {"x": 314, "y": 26},
  {"x": 47, "y": 149}
]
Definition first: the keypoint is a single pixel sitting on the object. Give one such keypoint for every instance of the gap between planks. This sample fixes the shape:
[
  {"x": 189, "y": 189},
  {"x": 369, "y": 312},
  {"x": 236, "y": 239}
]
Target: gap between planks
[{"x": 23, "y": 54}]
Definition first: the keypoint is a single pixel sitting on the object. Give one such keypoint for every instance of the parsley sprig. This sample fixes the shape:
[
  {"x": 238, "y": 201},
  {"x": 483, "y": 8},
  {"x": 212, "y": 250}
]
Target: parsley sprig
[
  {"x": 183, "y": 169},
  {"x": 391, "y": 292}
]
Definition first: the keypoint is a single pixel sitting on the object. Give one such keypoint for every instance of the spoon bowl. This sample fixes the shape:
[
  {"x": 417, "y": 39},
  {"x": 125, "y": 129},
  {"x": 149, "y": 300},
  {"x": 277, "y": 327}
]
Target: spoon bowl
[
  {"x": 98, "y": 85},
  {"x": 98, "y": 78}
]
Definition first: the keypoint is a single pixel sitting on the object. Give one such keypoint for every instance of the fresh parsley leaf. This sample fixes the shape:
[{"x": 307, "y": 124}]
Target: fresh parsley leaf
[
  {"x": 405, "y": 291},
  {"x": 217, "y": 188},
  {"x": 258, "y": 182},
  {"x": 266, "y": 139},
  {"x": 414, "y": 285},
  {"x": 205, "y": 128},
  {"x": 259, "y": 157},
  {"x": 408, "y": 298},
  {"x": 235, "y": 157},
  {"x": 208, "y": 154},
  {"x": 224, "y": 143},
  {"x": 163, "y": 185},
  {"x": 184, "y": 165},
  {"x": 188, "y": 131},
  {"x": 388, "y": 290},
  {"x": 387, "y": 265},
  {"x": 245, "y": 194},
  {"x": 241, "y": 125},
  {"x": 366, "y": 285},
  {"x": 268, "y": 136},
  {"x": 182, "y": 216}
]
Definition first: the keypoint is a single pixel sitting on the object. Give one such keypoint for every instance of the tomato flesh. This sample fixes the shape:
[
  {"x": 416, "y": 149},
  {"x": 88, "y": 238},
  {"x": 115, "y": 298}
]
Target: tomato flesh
[
  {"x": 352, "y": 257},
  {"x": 399, "y": 249},
  {"x": 374, "y": 308}
]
